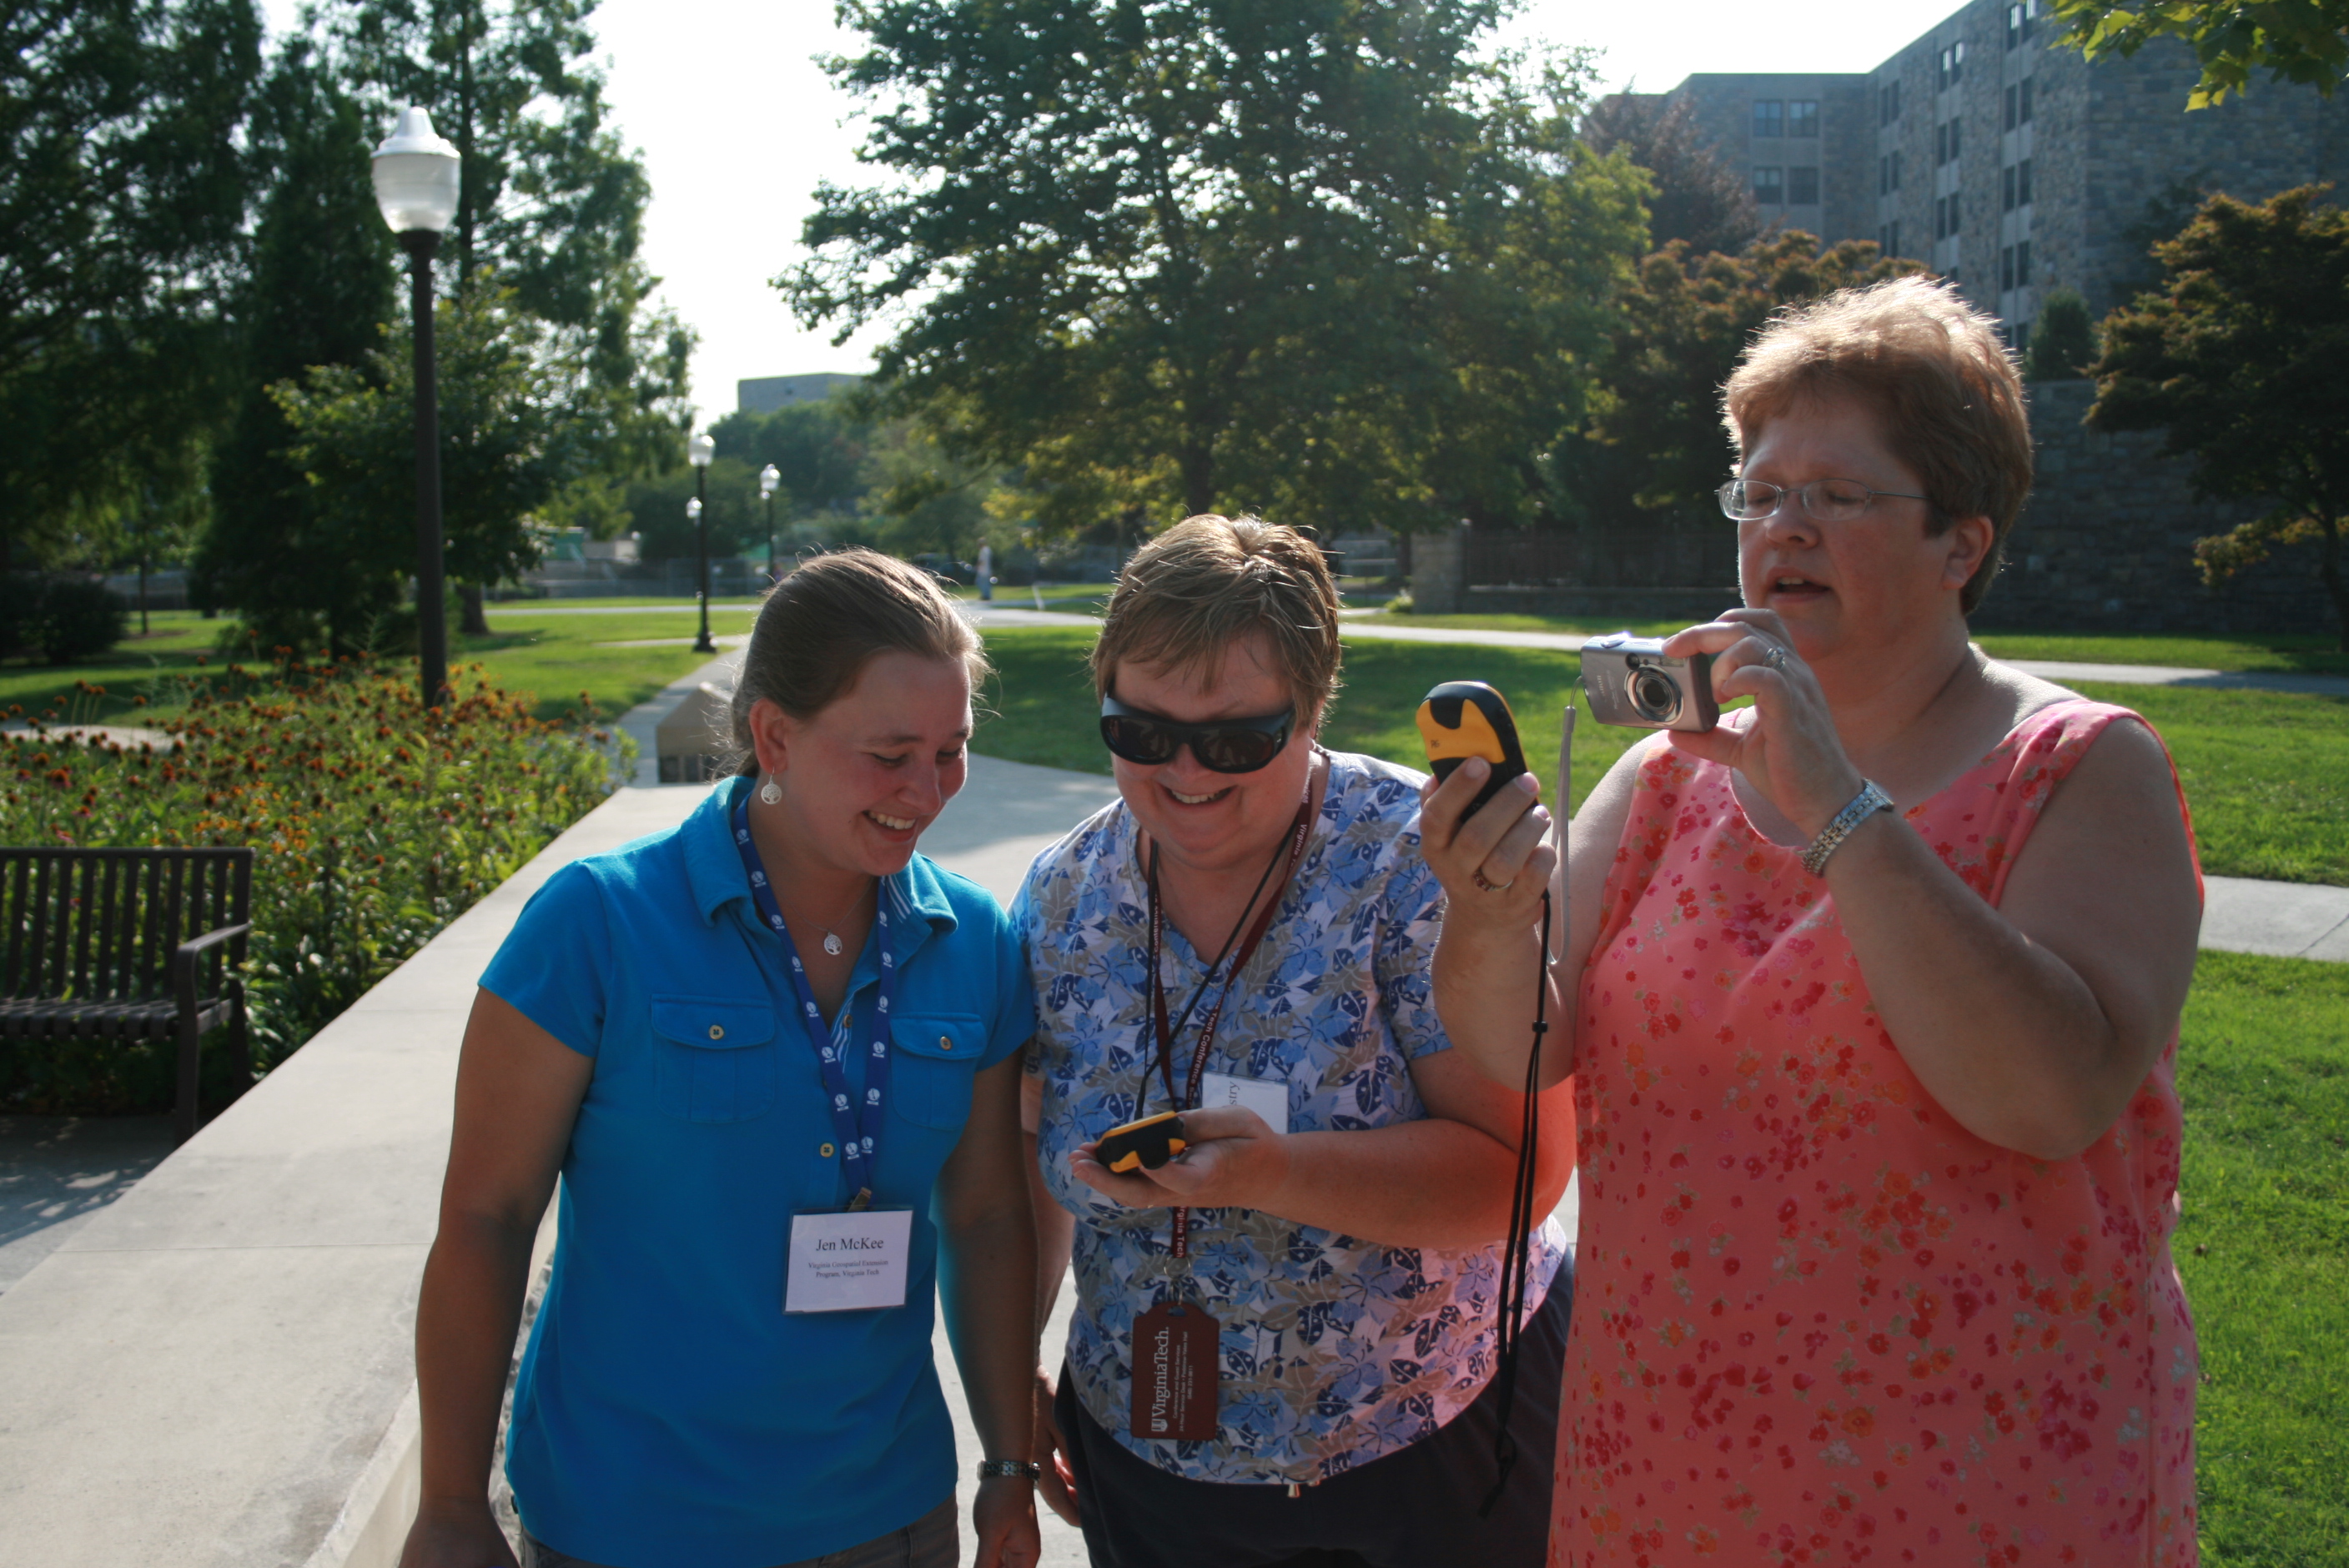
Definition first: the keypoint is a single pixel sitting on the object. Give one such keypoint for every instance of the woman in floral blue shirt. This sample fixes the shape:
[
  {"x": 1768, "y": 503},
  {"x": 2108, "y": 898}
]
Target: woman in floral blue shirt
[{"x": 1339, "y": 1212}]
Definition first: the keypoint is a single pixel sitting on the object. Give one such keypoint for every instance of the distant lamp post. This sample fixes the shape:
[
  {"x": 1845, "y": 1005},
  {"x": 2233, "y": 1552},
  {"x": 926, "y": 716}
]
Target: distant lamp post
[
  {"x": 699, "y": 452},
  {"x": 416, "y": 188},
  {"x": 769, "y": 477}
]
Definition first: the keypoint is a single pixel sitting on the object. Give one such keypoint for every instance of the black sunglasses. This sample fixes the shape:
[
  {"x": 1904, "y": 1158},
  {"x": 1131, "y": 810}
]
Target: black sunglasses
[{"x": 1224, "y": 745}]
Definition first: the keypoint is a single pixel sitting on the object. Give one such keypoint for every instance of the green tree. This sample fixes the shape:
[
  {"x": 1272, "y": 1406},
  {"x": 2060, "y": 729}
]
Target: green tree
[
  {"x": 318, "y": 291},
  {"x": 2304, "y": 41},
  {"x": 819, "y": 448},
  {"x": 1697, "y": 197},
  {"x": 1195, "y": 255},
  {"x": 518, "y": 424},
  {"x": 1661, "y": 445},
  {"x": 122, "y": 190},
  {"x": 2063, "y": 340},
  {"x": 2241, "y": 357},
  {"x": 550, "y": 206}
]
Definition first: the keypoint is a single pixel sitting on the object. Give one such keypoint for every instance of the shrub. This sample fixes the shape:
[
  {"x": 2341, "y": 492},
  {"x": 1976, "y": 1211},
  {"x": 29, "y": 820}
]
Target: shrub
[
  {"x": 2063, "y": 341},
  {"x": 374, "y": 829},
  {"x": 77, "y": 619}
]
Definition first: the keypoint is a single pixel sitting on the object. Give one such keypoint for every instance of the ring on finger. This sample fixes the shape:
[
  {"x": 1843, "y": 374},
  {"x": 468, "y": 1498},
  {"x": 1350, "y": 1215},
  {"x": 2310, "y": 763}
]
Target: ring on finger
[
  {"x": 1491, "y": 886},
  {"x": 1776, "y": 658}
]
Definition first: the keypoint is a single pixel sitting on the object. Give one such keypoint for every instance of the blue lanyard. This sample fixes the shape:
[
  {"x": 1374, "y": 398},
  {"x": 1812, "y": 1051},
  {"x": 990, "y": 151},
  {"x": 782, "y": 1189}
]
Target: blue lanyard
[{"x": 857, "y": 1126}]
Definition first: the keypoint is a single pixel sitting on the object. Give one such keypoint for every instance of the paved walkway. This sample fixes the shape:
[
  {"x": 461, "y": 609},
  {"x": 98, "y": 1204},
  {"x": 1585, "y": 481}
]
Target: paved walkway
[{"x": 1570, "y": 642}]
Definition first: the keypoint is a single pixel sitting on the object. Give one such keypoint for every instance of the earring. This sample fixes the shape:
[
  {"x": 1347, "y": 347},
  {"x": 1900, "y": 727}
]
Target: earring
[{"x": 772, "y": 793}]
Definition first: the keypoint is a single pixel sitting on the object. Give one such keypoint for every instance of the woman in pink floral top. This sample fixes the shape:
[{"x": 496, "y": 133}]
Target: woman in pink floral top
[{"x": 1878, "y": 1158}]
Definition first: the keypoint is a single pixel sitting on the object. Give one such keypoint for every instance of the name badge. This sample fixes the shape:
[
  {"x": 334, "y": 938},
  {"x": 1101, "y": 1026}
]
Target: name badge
[
  {"x": 848, "y": 1262},
  {"x": 1268, "y": 1098}
]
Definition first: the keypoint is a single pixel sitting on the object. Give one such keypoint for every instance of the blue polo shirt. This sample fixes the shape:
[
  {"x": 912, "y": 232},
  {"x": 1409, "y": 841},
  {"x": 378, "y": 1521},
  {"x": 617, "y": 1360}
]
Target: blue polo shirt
[{"x": 668, "y": 1413}]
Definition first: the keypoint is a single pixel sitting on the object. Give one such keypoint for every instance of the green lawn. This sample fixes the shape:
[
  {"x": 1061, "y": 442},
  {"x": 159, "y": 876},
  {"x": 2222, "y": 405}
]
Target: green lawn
[
  {"x": 2264, "y": 1248},
  {"x": 2309, "y": 654},
  {"x": 2267, "y": 773},
  {"x": 554, "y": 655}
]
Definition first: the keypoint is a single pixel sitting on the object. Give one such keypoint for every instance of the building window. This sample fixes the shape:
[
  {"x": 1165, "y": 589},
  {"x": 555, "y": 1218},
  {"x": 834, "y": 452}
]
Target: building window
[
  {"x": 1888, "y": 238},
  {"x": 2022, "y": 183},
  {"x": 1769, "y": 188},
  {"x": 1896, "y": 168},
  {"x": 2007, "y": 188},
  {"x": 1887, "y": 102},
  {"x": 1803, "y": 186},
  {"x": 2006, "y": 268},
  {"x": 1802, "y": 116},
  {"x": 2018, "y": 104},
  {"x": 2019, "y": 18},
  {"x": 1950, "y": 65},
  {"x": 2023, "y": 263},
  {"x": 1945, "y": 216},
  {"x": 1945, "y": 142},
  {"x": 1769, "y": 116}
]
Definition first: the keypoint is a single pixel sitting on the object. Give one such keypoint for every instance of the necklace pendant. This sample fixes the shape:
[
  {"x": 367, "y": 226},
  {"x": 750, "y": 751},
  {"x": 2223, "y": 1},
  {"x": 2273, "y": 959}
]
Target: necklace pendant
[{"x": 832, "y": 944}]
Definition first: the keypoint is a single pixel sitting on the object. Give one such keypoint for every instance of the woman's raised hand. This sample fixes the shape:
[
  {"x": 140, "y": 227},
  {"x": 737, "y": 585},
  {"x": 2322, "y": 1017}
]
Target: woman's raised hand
[
  {"x": 1496, "y": 865},
  {"x": 1790, "y": 750}
]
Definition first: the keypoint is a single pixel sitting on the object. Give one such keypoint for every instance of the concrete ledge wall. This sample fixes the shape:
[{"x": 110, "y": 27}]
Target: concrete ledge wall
[{"x": 216, "y": 1371}]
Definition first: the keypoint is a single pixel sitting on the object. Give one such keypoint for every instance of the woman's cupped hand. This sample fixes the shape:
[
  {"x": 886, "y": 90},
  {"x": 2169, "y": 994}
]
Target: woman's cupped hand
[
  {"x": 1790, "y": 749},
  {"x": 1233, "y": 1160}
]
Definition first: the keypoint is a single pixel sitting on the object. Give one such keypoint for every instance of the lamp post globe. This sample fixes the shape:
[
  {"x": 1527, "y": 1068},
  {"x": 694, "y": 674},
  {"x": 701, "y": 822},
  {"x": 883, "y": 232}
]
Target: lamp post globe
[
  {"x": 770, "y": 477},
  {"x": 416, "y": 173},
  {"x": 699, "y": 452}
]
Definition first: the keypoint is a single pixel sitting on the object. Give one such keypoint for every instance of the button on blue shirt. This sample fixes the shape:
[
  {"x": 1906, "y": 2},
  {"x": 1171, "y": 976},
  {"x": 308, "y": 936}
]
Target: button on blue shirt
[{"x": 668, "y": 1413}]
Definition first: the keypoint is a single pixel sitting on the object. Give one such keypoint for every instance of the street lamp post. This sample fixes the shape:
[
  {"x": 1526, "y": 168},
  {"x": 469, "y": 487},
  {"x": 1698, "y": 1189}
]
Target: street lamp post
[
  {"x": 769, "y": 477},
  {"x": 416, "y": 173},
  {"x": 699, "y": 452}
]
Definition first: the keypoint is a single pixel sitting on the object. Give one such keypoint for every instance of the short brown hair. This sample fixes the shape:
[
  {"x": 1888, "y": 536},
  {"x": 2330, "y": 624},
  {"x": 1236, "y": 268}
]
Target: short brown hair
[
  {"x": 1930, "y": 367},
  {"x": 1207, "y": 582},
  {"x": 822, "y": 625}
]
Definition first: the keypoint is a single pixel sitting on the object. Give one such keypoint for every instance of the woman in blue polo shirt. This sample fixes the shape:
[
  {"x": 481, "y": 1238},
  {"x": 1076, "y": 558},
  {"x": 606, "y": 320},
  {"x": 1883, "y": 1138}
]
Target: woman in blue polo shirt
[{"x": 773, "y": 1055}]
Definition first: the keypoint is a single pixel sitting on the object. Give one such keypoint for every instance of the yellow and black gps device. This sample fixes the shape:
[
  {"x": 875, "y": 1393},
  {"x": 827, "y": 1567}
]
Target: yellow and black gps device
[
  {"x": 1461, "y": 720},
  {"x": 1148, "y": 1143}
]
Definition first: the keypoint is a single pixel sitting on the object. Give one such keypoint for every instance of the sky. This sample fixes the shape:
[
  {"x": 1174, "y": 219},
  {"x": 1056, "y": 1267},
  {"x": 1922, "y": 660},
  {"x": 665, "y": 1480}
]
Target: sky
[{"x": 738, "y": 124}]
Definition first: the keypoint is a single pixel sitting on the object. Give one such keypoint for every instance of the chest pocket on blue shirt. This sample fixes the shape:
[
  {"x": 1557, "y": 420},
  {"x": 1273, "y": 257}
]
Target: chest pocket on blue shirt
[
  {"x": 934, "y": 1058},
  {"x": 717, "y": 1057}
]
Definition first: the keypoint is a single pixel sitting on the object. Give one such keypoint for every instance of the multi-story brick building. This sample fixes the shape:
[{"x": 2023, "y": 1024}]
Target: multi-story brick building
[{"x": 2007, "y": 162}]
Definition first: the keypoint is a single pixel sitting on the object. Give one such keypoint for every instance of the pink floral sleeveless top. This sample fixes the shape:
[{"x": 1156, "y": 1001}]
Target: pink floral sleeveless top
[{"x": 1816, "y": 1320}]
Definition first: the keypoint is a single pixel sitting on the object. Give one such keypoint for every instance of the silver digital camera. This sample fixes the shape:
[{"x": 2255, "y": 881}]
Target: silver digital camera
[{"x": 1632, "y": 683}]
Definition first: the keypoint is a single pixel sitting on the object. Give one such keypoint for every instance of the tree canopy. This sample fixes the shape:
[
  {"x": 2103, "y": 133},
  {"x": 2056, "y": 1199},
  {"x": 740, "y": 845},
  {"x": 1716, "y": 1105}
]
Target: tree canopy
[
  {"x": 123, "y": 176},
  {"x": 1697, "y": 196},
  {"x": 2239, "y": 355},
  {"x": 1319, "y": 259},
  {"x": 2303, "y": 41}
]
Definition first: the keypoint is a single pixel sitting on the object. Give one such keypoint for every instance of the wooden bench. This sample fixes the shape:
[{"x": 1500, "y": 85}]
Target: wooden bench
[{"x": 125, "y": 944}]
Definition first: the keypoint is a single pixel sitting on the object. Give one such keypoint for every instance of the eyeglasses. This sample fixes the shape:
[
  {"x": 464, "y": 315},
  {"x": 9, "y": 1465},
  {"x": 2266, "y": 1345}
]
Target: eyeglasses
[
  {"x": 1223, "y": 745},
  {"x": 1828, "y": 501}
]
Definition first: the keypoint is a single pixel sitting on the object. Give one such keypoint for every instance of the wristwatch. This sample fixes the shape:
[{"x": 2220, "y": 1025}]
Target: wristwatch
[{"x": 1026, "y": 1469}]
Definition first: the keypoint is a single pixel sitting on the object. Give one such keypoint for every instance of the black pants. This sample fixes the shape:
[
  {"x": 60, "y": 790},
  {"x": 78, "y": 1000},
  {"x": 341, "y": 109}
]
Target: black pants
[{"x": 1415, "y": 1508}]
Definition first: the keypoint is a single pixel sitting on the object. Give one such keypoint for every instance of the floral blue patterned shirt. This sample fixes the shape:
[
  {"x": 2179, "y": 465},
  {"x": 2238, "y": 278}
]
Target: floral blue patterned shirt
[{"x": 1335, "y": 1350}]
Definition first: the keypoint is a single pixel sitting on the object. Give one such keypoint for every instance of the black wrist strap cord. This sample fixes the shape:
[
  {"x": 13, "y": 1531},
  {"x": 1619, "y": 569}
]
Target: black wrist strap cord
[{"x": 1514, "y": 1252}]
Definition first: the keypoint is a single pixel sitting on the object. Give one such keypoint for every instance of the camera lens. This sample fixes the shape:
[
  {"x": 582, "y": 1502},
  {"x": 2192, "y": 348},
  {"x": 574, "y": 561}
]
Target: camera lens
[{"x": 1654, "y": 697}]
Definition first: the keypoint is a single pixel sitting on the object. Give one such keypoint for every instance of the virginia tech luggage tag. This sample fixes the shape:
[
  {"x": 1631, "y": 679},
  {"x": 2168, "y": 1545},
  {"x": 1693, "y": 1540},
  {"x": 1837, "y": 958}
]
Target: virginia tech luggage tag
[{"x": 1176, "y": 1366}]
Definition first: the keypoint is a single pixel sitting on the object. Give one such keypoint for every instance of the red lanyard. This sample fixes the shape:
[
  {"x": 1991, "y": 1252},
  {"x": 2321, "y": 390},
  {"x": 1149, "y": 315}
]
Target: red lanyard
[{"x": 1189, "y": 1098}]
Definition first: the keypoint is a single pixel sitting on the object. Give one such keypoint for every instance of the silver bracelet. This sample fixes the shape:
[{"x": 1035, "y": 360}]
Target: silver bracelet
[
  {"x": 1017, "y": 1470},
  {"x": 1870, "y": 800}
]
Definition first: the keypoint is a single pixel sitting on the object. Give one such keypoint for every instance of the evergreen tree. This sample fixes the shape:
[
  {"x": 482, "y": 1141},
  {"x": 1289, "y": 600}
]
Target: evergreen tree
[{"x": 2063, "y": 341}]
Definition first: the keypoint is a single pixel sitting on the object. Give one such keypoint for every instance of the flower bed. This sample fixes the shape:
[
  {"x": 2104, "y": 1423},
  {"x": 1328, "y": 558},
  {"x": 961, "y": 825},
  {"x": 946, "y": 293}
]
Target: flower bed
[{"x": 374, "y": 825}]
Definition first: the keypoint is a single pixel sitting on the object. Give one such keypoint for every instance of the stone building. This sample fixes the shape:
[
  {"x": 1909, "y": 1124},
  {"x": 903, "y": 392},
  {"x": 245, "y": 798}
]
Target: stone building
[{"x": 2011, "y": 164}]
